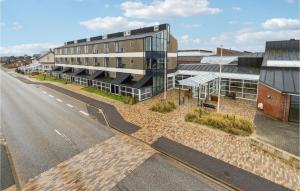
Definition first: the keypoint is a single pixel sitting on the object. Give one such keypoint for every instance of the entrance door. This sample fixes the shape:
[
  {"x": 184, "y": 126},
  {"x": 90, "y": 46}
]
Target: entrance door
[
  {"x": 114, "y": 89},
  {"x": 294, "y": 109}
]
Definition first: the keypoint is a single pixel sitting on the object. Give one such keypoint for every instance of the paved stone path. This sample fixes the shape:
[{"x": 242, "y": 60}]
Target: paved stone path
[
  {"x": 283, "y": 135},
  {"x": 234, "y": 150},
  {"x": 98, "y": 168}
]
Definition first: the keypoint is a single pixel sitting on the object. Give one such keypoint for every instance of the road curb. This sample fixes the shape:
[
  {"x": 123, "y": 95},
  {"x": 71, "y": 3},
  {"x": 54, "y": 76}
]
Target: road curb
[
  {"x": 13, "y": 169},
  {"x": 185, "y": 163},
  {"x": 287, "y": 157}
]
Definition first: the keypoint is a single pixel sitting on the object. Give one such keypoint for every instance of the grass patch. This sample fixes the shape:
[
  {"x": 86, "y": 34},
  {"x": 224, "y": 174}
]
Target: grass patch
[
  {"x": 230, "y": 124},
  {"x": 48, "y": 78},
  {"x": 163, "y": 106},
  {"x": 125, "y": 99}
]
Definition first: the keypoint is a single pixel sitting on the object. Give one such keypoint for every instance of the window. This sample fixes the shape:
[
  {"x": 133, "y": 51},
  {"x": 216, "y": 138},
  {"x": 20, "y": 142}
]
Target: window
[
  {"x": 78, "y": 50},
  {"x": 117, "y": 46},
  {"x": 131, "y": 61},
  {"x": 106, "y": 62},
  {"x": 65, "y": 51},
  {"x": 85, "y": 49},
  {"x": 95, "y": 50},
  {"x": 78, "y": 61},
  {"x": 95, "y": 61},
  {"x": 148, "y": 44},
  {"x": 106, "y": 48},
  {"x": 85, "y": 61},
  {"x": 119, "y": 63}
]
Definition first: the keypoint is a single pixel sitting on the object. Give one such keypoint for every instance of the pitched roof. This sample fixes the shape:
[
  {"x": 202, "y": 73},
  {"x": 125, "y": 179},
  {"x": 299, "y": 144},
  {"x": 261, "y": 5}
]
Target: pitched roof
[
  {"x": 281, "y": 51},
  {"x": 281, "y": 66},
  {"x": 282, "y": 79}
]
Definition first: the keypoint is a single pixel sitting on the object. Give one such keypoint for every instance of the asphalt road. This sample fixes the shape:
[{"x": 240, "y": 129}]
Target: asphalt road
[
  {"x": 160, "y": 173},
  {"x": 43, "y": 128}
]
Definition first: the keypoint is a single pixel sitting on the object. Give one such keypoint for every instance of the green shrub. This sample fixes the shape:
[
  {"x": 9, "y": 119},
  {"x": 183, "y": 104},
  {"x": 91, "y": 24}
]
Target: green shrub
[
  {"x": 46, "y": 77},
  {"x": 231, "y": 124},
  {"x": 163, "y": 106},
  {"x": 125, "y": 99}
]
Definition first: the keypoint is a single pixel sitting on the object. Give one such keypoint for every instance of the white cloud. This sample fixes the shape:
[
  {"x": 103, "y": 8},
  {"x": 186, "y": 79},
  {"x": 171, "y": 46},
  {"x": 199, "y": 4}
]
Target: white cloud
[
  {"x": 187, "y": 40},
  {"x": 29, "y": 49},
  {"x": 168, "y": 8},
  {"x": 251, "y": 36},
  {"x": 16, "y": 26},
  {"x": 246, "y": 39},
  {"x": 113, "y": 23},
  {"x": 236, "y": 8},
  {"x": 281, "y": 23}
]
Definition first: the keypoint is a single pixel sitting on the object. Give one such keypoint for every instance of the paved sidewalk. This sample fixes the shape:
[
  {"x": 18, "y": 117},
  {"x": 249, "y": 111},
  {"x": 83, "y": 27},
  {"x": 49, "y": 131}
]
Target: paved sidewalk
[
  {"x": 232, "y": 175},
  {"x": 258, "y": 163},
  {"x": 277, "y": 133},
  {"x": 98, "y": 168}
]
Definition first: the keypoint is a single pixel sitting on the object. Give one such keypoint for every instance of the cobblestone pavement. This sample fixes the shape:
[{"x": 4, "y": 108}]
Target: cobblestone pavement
[
  {"x": 98, "y": 168},
  {"x": 232, "y": 149}
]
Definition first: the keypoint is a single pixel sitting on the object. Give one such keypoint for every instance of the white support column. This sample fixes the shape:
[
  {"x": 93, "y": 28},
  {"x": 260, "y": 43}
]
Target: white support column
[{"x": 140, "y": 96}]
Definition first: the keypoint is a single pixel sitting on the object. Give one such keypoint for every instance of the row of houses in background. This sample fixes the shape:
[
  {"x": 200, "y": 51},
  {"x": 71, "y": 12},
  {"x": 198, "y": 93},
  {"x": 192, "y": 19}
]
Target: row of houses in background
[
  {"x": 27, "y": 64},
  {"x": 143, "y": 62}
]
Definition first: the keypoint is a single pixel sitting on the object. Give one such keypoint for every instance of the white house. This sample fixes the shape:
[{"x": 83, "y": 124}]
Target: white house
[{"x": 43, "y": 63}]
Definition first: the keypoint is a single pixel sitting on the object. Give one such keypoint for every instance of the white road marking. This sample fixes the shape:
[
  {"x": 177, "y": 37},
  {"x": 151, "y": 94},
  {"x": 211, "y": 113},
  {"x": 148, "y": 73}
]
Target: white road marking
[
  {"x": 84, "y": 113},
  {"x": 69, "y": 105},
  {"x": 50, "y": 95},
  {"x": 57, "y": 132},
  {"x": 44, "y": 92},
  {"x": 64, "y": 136},
  {"x": 59, "y": 100}
]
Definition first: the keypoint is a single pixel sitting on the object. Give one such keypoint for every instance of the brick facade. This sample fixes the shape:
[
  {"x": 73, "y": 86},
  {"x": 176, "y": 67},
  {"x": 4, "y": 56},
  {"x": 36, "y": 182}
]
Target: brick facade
[
  {"x": 227, "y": 52},
  {"x": 274, "y": 102}
]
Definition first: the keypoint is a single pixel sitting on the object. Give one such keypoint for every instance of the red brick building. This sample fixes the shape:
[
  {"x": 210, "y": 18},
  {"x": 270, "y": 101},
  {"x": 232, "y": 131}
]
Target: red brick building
[
  {"x": 227, "y": 52},
  {"x": 278, "y": 94}
]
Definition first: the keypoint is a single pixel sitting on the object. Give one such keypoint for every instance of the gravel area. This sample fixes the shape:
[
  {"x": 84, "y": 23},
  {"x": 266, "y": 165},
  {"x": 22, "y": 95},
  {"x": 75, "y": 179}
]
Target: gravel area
[{"x": 229, "y": 148}]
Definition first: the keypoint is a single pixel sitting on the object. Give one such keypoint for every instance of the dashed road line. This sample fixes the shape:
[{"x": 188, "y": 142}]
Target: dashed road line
[
  {"x": 59, "y": 100},
  {"x": 69, "y": 105},
  {"x": 44, "y": 92},
  {"x": 50, "y": 95},
  {"x": 63, "y": 136},
  {"x": 57, "y": 132},
  {"x": 84, "y": 113}
]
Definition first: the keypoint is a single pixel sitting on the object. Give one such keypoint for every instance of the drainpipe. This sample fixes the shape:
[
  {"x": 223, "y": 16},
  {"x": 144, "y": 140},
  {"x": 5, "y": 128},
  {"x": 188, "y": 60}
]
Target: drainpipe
[{"x": 284, "y": 106}]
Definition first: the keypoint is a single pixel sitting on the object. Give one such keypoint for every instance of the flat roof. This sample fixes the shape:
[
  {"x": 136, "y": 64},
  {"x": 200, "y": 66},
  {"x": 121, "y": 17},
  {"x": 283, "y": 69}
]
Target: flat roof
[{"x": 124, "y": 35}]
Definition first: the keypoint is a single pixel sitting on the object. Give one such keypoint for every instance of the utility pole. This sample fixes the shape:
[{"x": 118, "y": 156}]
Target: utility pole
[{"x": 219, "y": 85}]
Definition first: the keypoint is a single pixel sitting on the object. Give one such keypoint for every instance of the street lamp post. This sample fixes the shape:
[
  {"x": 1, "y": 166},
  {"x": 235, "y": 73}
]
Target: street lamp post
[{"x": 219, "y": 85}]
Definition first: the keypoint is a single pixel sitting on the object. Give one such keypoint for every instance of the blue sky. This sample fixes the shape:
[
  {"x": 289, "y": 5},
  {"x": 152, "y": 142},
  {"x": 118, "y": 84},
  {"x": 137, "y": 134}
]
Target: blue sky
[{"x": 31, "y": 26}]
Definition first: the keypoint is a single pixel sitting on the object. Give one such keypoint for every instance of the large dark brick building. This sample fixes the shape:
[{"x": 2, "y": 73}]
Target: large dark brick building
[{"x": 279, "y": 80}]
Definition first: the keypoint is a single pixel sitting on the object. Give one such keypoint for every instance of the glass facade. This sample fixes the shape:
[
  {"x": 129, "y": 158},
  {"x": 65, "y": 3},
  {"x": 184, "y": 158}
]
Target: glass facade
[
  {"x": 155, "y": 53},
  {"x": 244, "y": 89}
]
